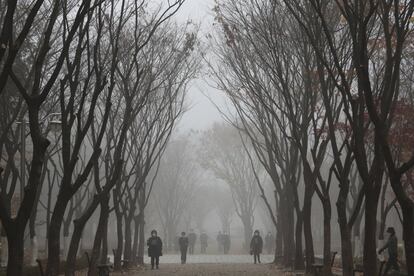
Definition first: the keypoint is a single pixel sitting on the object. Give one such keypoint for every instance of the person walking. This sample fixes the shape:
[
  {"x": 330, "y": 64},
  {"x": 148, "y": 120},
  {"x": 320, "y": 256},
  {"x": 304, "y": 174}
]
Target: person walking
[
  {"x": 154, "y": 244},
  {"x": 392, "y": 246},
  {"x": 269, "y": 242},
  {"x": 183, "y": 242},
  {"x": 203, "y": 242},
  {"x": 256, "y": 246},
  {"x": 192, "y": 237}
]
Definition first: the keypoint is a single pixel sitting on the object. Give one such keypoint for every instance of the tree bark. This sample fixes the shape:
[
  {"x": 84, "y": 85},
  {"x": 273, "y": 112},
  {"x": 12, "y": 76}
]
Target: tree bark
[
  {"x": 16, "y": 252},
  {"x": 141, "y": 246},
  {"x": 53, "y": 260},
  {"x": 99, "y": 237},
  {"x": 370, "y": 233},
  {"x": 120, "y": 245},
  {"x": 307, "y": 227},
  {"x": 134, "y": 259},
  {"x": 346, "y": 241},
  {"x": 128, "y": 239},
  {"x": 327, "y": 258},
  {"x": 299, "y": 262},
  {"x": 408, "y": 235}
]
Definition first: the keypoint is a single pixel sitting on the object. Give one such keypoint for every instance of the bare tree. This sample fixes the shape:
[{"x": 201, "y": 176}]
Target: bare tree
[
  {"x": 225, "y": 156},
  {"x": 174, "y": 186}
]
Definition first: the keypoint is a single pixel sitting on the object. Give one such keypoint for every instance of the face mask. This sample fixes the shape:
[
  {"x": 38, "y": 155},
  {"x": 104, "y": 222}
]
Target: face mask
[
  {"x": 153, "y": 235},
  {"x": 256, "y": 234}
]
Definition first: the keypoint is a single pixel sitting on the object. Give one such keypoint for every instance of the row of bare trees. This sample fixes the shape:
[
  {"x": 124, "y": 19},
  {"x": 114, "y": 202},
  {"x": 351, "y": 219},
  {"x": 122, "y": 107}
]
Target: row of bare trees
[
  {"x": 321, "y": 92},
  {"x": 116, "y": 72}
]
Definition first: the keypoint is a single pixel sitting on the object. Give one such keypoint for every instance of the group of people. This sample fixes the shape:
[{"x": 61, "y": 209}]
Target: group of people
[
  {"x": 192, "y": 239},
  {"x": 256, "y": 246}
]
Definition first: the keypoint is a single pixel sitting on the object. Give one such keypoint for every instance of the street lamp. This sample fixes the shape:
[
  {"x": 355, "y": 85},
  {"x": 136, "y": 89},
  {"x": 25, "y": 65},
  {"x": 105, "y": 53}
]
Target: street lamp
[{"x": 53, "y": 123}]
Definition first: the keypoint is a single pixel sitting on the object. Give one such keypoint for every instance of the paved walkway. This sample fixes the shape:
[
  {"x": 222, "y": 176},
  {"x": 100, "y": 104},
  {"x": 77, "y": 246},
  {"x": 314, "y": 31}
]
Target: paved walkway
[{"x": 208, "y": 270}]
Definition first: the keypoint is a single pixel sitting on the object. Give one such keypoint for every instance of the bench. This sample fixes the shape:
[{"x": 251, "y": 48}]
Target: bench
[{"x": 317, "y": 267}]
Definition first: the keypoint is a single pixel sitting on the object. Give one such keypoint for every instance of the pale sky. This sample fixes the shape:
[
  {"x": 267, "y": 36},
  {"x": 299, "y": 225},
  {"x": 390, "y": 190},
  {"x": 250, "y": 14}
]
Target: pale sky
[{"x": 202, "y": 113}]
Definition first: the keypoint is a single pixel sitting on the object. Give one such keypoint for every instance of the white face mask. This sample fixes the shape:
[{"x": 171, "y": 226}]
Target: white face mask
[
  {"x": 256, "y": 234},
  {"x": 153, "y": 234}
]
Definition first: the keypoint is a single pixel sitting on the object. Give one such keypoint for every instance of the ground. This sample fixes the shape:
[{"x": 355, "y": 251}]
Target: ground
[
  {"x": 206, "y": 265},
  {"x": 209, "y": 269}
]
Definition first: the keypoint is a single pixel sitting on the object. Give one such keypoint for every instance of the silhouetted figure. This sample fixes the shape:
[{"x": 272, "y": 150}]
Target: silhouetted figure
[
  {"x": 192, "y": 237},
  {"x": 203, "y": 242},
  {"x": 226, "y": 243},
  {"x": 269, "y": 242},
  {"x": 183, "y": 242},
  {"x": 392, "y": 246},
  {"x": 220, "y": 242},
  {"x": 256, "y": 246},
  {"x": 154, "y": 249}
]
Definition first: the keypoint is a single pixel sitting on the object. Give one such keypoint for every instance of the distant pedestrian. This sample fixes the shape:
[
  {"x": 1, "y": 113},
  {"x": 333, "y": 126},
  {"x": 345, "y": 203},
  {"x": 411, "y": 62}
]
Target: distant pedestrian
[
  {"x": 269, "y": 242},
  {"x": 183, "y": 241},
  {"x": 392, "y": 246},
  {"x": 226, "y": 242},
  {"x": 220, "y": 243},
  {"x": 256, "y": 246},
  {"x": 192, "y": 237},
  {"x": 203, "y": 242},
  {"x": 154, "y": 249}
]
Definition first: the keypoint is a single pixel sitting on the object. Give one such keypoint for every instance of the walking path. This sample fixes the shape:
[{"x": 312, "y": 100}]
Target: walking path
[
  {"x": 205, "y": 265},
  {"x": 208, "y": 270}
]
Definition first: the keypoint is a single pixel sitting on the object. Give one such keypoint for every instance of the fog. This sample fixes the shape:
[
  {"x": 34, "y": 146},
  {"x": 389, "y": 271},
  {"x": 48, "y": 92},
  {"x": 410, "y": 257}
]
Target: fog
[{"x": 206, "y": 137}]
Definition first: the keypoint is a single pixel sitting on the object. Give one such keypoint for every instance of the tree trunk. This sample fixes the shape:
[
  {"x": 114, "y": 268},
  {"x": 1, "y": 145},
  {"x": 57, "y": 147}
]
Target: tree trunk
[
  {"x": 4, "y": 251},
  {"x": 141, "y": 246},
  {"x": 128, "y": 239},
  {"x": 345, "y": 231},
  {"x": 299, "y": 262},
  {"x": 248, "y": 231},
  {"x": 346, "y": 242},
  {"x": 99, "y": 236},
  {"x": 16, "y": 252},
  {"x": 370, "y": 233},
  {"x": 287, "y": 213},
  {"x": 307, "y": 227},
  {"x": 120, "y": 246},
  {"x": 327, "y": 258},
  {"x": 56, "y": 221},
  {"x": 408, "y": 235},
  {"x": 134, "y": 253},
  {"x": 79, "y": 226}
]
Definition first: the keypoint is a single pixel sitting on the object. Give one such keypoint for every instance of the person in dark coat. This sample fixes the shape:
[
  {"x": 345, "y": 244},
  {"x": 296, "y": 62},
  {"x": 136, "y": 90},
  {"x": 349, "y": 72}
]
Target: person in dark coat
[
  {"x": 256, "y": 246},
  {"x": 154, "y": 249},
  {"x": 203, "y": 242},
  {"x": 392, "y": 246},
  {"x": 269, "y": 242},
  {"x": 183, "y": 242},
  {"x": 192, "y": 237}
]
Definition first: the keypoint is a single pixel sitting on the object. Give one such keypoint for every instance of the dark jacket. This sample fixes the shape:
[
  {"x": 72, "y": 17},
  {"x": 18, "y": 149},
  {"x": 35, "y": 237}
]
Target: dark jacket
[
  {"x": 256, "y": 245},
  {"x": 392, "y": 245},
  {"x": 183, "y": 241},
  {"x": 154, "y": 247}
]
